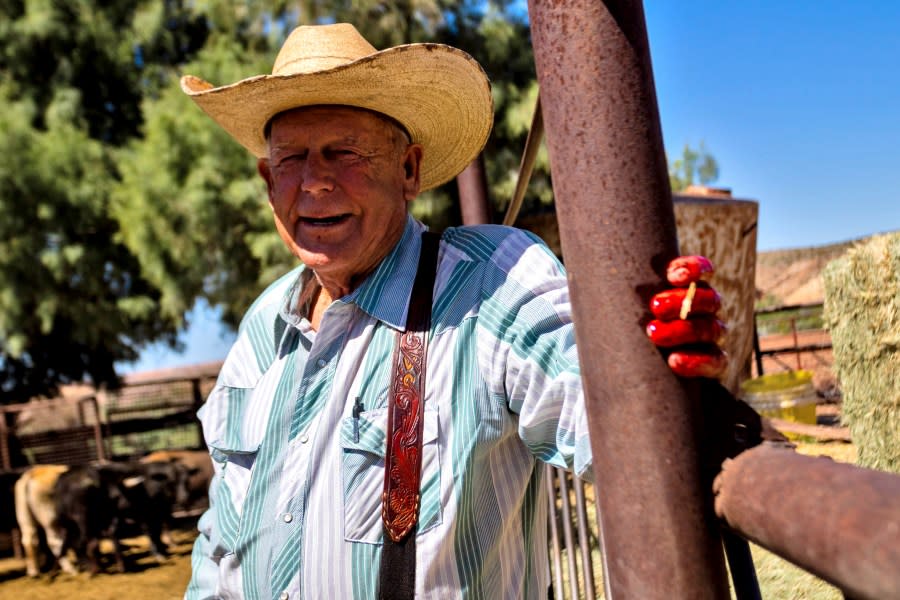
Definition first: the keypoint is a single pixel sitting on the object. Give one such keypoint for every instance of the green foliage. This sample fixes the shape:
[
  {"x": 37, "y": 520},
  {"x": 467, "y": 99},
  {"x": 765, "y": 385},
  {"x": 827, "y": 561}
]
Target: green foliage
[
  {"x": 124, "y": 204},
  {"x": 694, "y": 166},
  {"x": 74, "y": 299},
  {"x": 862, "y": 304},
  {"x": 62, "y": 275},
  {"x": 190, "y": 204}
]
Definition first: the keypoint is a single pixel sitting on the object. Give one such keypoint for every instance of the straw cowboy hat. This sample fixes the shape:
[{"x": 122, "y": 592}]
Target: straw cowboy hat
[{"x": 438, "y": 93}]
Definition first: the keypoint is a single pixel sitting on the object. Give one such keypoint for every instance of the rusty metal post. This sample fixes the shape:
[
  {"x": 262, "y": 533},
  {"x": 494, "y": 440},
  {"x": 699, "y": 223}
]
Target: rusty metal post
[
  {"x": 568, "y": 534},
  {"x": 556, "y": 546},
  {"x": 757, "y": 351},
  {"x": 473, "y": 194},
  {"x": 658, "y": 533},
  {"x": 5, "y": 459},
  {"x": 198, "y": 402},
  {"x": 98, "y": 426},
  {"x": 583, "y": 539},
  {"x": 838, "y": 521}
]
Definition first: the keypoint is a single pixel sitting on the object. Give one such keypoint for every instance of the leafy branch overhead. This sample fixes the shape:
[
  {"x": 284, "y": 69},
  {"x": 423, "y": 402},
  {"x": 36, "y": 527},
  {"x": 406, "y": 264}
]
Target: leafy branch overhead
[{"x": 124, "y": 205}]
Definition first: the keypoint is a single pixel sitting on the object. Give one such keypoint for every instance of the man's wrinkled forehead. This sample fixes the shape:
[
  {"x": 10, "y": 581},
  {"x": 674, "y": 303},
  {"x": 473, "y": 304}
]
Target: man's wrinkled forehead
[{"x": 392, "y": 123}]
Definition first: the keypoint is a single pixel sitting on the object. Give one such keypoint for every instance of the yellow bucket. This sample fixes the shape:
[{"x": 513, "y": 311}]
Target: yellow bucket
[{"x": 789, "y": 396}]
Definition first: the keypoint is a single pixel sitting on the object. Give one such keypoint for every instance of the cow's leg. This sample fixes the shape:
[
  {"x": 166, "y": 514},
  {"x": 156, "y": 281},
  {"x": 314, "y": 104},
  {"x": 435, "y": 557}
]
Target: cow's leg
[
  {"x": 114, "y": 534},
  {"x": 91, "y": 547},
  {"x": 59, "y": 547},
  {"x": 30, "y": 544},
  {"x": 57, "y": 540},
  {"x": 119, "y": 554},
  {"x": 157, "y": 546},
  {"x": 166, "y": 536},
  {"x": 28, "y": 526}
]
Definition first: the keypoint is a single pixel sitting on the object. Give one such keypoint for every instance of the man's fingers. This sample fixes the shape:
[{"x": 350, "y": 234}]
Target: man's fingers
[
  {"x": 685, "y": 269},
  {"x": 698, "y": 362},
  {"x": 666, "y": 305},
  {"x": 699, "y": 330}
]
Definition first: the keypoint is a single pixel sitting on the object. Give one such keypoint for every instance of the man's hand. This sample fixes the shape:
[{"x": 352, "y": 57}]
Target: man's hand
[{"x": 685, "y": 320}]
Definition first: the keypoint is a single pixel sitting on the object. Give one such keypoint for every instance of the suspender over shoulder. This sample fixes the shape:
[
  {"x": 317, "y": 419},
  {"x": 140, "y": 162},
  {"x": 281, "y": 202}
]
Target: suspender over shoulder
[{"x": 403, "y": 456}]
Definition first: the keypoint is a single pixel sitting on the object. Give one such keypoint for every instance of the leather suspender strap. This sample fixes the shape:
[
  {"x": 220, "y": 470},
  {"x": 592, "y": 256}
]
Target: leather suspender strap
[{"x": 403, "y": 456}]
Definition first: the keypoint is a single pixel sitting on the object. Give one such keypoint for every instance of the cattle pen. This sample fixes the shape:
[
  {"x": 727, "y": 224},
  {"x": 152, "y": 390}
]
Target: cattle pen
[{"x": 150, "y": 411}]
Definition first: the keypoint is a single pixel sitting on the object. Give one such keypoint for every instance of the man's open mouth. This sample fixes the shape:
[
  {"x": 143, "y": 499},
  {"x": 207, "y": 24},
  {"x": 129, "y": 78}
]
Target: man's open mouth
[{"x": 324, "y": 221}]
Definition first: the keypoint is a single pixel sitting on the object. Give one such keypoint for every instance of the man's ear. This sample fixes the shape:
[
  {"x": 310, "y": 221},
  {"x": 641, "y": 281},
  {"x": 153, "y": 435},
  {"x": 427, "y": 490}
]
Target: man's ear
[
  {"x": 262, "y": 167},
  {"x": 412, "y": 164}
]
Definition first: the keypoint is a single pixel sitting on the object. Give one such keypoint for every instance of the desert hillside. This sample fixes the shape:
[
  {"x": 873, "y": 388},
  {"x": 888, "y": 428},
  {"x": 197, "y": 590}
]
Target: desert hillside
[
  {"x": 794, "y": 276},
  {"x": 783, "y": 277}
]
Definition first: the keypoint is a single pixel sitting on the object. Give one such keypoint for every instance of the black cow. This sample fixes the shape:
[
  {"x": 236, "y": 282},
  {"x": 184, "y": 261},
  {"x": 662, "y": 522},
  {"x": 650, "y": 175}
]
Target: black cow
[
  {"x": 95, "y": 502},
  {"x": 200, "y": 473}
]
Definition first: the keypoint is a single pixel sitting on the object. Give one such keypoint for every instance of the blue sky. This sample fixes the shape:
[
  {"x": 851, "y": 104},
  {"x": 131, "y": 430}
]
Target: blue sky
[{"x": 798, "y": 101}]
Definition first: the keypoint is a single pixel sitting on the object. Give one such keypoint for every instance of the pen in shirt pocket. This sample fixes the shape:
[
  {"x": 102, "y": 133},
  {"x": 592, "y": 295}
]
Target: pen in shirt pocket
[{"x": 357, "y": 410}]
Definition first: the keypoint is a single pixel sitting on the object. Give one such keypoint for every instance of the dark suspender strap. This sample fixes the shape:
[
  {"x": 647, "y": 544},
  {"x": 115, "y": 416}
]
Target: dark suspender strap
[{"x": 403, "y": 455}]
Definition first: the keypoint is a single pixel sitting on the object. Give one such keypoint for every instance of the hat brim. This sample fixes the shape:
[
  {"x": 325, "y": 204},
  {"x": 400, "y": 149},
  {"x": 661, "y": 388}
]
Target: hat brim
[{"x": 439, "y": 93}]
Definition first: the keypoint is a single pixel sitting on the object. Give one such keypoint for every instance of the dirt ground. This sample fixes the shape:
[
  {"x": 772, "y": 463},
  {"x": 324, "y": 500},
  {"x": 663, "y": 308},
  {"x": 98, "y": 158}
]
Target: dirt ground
[{"x": 146, "y": 579}]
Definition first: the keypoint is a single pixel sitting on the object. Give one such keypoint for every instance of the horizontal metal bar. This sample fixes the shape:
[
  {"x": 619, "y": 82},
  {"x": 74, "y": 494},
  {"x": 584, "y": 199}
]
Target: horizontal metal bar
[
  {"x": 787, "y": 307},
  {"x": 795, "y": 349},
  {"x": 836, "y": 520},
  {"x": 823, "y": 433}
]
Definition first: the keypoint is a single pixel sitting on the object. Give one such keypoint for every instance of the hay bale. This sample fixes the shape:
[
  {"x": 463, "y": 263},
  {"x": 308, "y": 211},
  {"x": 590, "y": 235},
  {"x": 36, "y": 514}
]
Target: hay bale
[{"x": 862, "y": 311}]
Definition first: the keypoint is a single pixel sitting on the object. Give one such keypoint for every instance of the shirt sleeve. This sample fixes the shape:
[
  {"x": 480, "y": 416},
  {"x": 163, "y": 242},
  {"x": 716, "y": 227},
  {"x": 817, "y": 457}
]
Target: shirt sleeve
[
  {"x": 204, "y": 568},
  {"x": 528, "y": 341}
]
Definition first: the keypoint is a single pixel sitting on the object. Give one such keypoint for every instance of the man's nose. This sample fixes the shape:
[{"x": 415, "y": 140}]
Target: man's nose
[{"x": 317, "y": 173}]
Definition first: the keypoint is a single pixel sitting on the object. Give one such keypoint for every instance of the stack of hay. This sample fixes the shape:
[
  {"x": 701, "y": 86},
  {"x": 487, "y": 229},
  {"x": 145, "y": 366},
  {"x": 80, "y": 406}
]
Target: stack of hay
[{"x": 862, "y": 311}]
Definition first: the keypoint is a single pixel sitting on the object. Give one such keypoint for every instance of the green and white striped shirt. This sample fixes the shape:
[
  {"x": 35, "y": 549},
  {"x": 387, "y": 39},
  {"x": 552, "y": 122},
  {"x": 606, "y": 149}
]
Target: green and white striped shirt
[{"x": 296, "y": 500}]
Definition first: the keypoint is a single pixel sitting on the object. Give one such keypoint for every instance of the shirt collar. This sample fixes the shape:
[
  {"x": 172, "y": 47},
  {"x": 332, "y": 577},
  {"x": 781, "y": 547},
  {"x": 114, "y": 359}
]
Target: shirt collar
[{"x": 385, "y": 293}]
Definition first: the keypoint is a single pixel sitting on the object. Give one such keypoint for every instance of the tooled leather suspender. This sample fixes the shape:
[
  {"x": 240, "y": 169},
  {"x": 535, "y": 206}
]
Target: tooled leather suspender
[{"x": 403, "y": 457}]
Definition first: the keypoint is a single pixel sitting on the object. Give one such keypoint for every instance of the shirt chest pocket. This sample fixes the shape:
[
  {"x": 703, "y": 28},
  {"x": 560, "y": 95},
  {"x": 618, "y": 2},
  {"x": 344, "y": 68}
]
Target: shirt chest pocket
[
  {"x": 363, "y": 442},
  {"x": 235, "y": 467},
  {"x": 234, "y": 455}
]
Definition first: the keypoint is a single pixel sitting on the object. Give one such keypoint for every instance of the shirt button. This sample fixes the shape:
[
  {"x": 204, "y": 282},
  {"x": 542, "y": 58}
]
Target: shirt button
[
  {"x": 321, "y": 363},
  {"x": 288, "y": 517},
  {"x": 283, "y": 596},
  {"x": 304, "y": 438}
]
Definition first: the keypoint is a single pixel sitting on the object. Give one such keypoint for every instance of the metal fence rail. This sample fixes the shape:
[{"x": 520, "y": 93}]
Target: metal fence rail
[
  {"x": 797, "y": 349},
  {"x": 571, "y": 543}
]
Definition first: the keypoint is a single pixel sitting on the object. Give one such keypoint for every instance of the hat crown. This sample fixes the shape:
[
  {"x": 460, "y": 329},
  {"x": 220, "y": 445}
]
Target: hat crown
[
  {"x": 321, "y": 47},
  {"x": 439, "y": 94}
]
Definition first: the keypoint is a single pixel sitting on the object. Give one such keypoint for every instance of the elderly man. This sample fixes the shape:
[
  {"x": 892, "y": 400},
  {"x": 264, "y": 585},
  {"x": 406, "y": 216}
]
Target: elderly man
[{"x": 372, "y": 435}]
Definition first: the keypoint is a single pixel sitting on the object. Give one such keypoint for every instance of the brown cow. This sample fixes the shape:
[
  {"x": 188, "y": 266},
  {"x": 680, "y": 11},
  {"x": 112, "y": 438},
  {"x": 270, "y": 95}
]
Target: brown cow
[
  {"x": 35, "y": 500},
  {"x": 78, "y": 506}
]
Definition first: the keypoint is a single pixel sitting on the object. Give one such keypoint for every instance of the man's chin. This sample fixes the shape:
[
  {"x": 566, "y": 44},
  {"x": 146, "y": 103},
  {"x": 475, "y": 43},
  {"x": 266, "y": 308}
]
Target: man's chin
[{"x": 316, "y": 260}]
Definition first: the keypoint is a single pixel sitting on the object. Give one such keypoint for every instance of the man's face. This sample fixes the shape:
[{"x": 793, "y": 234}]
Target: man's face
[{"x": 339, "y": 180}]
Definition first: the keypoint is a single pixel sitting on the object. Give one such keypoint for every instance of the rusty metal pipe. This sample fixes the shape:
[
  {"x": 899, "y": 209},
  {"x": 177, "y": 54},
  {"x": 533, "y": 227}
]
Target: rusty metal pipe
[
  {"x": 568, "y": 537},
  {"x": 838, "y": 521},
  {"x": 556, "y": 546},
  {"x": 583, "y": 541},
  {"x": 658, "y": 532},
  {"x": 474, "y": 204},
  {"x": 5, "y": 459}
]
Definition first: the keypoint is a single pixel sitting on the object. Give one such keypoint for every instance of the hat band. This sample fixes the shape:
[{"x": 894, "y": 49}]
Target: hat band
[{"x": 311, "y": 64}]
